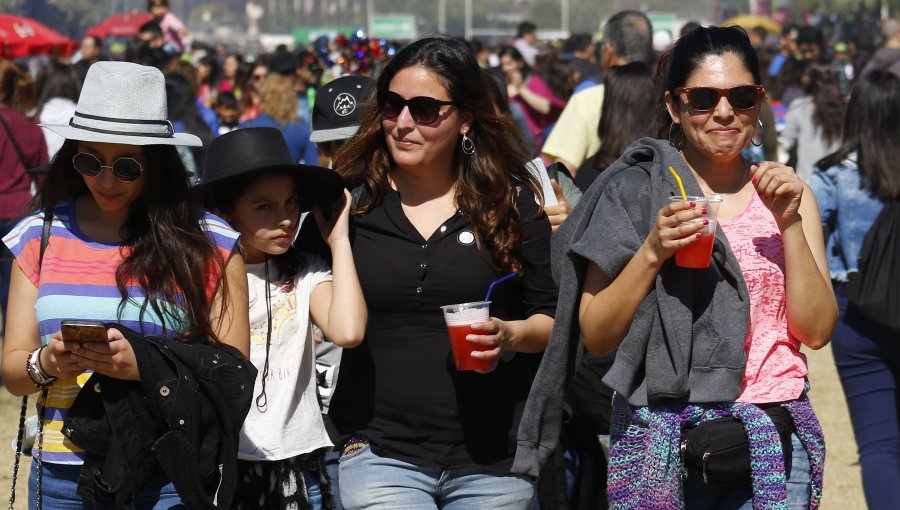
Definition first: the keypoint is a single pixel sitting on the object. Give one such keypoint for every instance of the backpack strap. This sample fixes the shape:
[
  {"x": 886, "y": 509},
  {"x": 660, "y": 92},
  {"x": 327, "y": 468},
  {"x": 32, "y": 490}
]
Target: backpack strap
[
  {"x": 12, "y": 140},
  {"x": 45, "y": 233}
]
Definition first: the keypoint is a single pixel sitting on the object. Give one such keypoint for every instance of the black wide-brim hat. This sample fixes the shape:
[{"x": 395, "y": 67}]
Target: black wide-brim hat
[{"x": 249, "y": 150}]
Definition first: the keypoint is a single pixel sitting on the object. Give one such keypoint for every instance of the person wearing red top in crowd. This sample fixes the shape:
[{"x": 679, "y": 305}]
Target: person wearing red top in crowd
[
  {"x": 22, "y": 146},
  {"x": 543, "y": 94}
]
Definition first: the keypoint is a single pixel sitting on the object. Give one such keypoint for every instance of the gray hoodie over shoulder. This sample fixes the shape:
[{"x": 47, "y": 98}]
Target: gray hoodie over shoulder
[{"x": 686, "y": 341}]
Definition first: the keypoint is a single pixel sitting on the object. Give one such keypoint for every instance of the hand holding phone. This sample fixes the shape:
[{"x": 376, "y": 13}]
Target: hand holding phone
[{"x": 83, "y": 331}]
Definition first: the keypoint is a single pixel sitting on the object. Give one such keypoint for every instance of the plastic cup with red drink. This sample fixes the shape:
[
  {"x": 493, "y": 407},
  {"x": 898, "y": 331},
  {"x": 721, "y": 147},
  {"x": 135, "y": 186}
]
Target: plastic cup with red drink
[
  {"x": 697, "y": 254},
  {"x": 459, "y": 319}
]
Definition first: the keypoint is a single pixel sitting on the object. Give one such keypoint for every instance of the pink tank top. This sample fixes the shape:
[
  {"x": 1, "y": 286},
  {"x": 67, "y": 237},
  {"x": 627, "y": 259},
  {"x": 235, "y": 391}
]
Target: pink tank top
[{"x": 776, "y": 369}]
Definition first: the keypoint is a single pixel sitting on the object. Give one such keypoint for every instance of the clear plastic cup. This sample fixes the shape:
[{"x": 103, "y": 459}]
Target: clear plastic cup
[
  {"x": 697, "y": 254},
  {"x": 459, "y": 319}
]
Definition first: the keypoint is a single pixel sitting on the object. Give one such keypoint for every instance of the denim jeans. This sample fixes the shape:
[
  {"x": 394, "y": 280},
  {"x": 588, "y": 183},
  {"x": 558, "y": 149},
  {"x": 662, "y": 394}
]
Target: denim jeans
[
  {"x": 868, "y": 363},
  {"x": 372, "y": 482},
  {"x": 739, "y": 496},
  {"x": 313, "y": 491},
  {"x": 59, "y": 482},
  {"x": 332, "y": 469}
]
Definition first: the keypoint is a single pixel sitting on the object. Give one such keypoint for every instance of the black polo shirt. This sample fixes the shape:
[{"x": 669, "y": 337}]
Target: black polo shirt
[{"x": 399, "y": 388}]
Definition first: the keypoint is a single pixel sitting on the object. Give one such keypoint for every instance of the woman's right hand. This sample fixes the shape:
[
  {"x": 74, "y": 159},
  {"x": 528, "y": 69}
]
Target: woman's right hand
[
  {"x": 57, "y": 358},
  {"x": 670, "y": 232}
]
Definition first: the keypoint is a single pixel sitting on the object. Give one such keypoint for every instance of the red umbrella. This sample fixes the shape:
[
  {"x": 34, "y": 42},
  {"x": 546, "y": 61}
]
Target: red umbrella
[
  {"x": 22, "y": 37},
  {"x": 123, "y": 24}
]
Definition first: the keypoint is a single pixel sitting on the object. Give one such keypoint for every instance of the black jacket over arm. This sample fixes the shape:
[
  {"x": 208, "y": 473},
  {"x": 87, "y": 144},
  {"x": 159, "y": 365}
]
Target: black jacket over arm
[{"x": 184, "y": 416}]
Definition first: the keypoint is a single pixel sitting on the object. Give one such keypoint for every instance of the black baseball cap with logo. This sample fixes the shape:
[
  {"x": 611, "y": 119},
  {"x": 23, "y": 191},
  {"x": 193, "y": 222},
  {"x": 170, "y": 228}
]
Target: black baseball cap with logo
[{"x": 338, "y": 109}]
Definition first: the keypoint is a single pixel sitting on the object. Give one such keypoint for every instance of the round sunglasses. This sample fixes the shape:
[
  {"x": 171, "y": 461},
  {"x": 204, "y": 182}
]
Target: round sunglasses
[
  {"x": 125, "y": 169},
  {"x": 704, "y": 99},
  {"x": 424, "y": 110}
]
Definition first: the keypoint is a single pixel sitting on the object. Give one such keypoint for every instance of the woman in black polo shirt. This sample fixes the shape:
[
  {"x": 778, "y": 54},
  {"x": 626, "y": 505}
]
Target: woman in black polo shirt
[{"x": 445, "y": 207}]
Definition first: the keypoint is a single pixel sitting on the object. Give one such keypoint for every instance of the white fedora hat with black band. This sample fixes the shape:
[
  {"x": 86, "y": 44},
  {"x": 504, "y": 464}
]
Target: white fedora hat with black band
[{"x": 122, "y": 102}]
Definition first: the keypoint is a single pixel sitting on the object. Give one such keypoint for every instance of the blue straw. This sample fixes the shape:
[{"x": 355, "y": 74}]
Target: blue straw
[{"x": 495, "y": 282}]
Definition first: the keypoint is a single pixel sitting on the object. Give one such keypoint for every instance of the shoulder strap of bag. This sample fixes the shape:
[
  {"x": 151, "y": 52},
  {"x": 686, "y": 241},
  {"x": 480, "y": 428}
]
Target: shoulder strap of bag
[
  {"x": 12, "y": 140},
  {"x": 45, "y": 239}
]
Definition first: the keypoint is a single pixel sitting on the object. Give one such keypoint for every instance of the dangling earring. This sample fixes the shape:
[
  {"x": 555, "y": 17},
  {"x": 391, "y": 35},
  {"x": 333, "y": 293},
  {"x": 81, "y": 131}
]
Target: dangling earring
[
  {"x": 468, "y": 145},
  {"x": 757, "y": 139},
  {"x": 677, "y": 143}
]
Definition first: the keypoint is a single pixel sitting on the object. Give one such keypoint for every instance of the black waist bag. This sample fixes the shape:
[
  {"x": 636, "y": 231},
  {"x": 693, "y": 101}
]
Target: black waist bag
[{"x": 719, "y": 451}]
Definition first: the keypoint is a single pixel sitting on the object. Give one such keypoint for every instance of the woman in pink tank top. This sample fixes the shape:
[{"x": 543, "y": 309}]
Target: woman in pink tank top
[{"x": 768, "y": 266}]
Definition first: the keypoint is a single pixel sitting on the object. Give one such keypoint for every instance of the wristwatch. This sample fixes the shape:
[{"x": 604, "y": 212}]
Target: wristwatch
[{"x": 35, "y": 372}]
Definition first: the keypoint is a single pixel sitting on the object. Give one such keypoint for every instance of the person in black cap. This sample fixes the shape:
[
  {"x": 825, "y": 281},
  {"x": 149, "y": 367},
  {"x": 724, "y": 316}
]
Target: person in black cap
[
  {"x": 251, "y": 179},
  {"x": 337, "y": 112}
]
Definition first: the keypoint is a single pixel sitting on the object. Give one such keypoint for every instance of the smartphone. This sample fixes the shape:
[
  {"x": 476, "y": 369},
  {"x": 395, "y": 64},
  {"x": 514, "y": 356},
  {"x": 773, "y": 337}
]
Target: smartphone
[{"x": 77, "y": 330}]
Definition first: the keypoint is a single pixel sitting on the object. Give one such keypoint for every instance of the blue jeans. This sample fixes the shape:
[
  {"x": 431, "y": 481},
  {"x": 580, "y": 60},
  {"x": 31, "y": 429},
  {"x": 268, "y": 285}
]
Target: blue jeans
[
  {"x": 369, "y": 481},
  {"x": 313, "y": 492},
  {"x": 332, "y": 469},
  {"x": 59, "y": 482},
  {"x": 868, "y": 362},
  {"x": 739, "y": 496}
]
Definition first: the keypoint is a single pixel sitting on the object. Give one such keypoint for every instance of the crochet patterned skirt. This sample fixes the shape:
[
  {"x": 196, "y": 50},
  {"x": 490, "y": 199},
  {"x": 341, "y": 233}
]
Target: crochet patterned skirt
[{"x": 645, "y": 461}]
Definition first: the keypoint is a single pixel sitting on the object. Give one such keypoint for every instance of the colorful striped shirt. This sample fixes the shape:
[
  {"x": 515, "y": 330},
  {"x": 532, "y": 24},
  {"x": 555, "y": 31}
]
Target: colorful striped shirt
[{"x": 77, "y": 280}]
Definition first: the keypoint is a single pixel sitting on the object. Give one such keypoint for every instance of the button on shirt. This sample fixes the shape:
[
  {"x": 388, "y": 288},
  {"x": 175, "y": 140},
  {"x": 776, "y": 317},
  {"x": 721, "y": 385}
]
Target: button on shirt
[{"x": 399, "y": 388}]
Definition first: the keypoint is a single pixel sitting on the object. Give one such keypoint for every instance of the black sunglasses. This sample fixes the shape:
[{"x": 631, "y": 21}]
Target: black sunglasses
[
  {"x": 125, "y": 169},
  {"x": 704, "y": 99},
  {"x": 424, "y": 110}
]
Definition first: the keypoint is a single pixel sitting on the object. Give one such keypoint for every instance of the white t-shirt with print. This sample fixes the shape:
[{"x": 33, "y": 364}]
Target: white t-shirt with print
[{"x": 292, "y": 422}]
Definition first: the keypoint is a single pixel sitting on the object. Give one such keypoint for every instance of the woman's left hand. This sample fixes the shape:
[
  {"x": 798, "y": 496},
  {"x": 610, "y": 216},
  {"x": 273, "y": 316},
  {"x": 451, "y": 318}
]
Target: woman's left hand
[
  {"x": 780, "y": 189},
  {"x": 496, "y": 335},
  {"x": 114, "y": 358},
  {"x": 337, "y": 225}
]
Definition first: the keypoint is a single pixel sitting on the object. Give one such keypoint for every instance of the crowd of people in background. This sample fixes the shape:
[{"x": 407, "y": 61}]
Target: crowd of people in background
[{"x": 433, "y": 139}]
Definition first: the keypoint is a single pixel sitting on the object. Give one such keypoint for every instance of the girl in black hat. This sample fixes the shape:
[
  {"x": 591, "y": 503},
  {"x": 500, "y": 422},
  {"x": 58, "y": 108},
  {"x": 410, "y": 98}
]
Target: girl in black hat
[{"x": 252, "y": 181}]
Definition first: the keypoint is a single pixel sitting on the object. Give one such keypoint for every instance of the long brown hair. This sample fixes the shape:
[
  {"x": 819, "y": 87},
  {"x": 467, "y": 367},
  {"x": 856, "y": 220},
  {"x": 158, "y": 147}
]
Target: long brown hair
[
  {"x": 629, "y": 110},
  {"x": 487, "y": 181},
  {"x": 824, "y": 86},
  {"x": 17, "y": 89},
  {"x": 170, "y": 254}
]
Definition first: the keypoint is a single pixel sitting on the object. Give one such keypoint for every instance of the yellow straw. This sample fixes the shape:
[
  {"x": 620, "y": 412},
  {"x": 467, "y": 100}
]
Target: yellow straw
[{"x": 680, "y": 184}]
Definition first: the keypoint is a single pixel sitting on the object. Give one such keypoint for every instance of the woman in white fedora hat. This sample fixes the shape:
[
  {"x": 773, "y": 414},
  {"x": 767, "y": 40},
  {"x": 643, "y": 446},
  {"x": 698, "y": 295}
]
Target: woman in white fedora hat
[{"x": 126, "y": 245}]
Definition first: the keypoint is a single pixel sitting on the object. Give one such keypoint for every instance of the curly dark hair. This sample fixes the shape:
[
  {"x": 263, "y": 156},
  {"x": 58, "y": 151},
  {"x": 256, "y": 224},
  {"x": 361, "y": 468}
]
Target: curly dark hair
[{"x": 486, "y": 181}]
